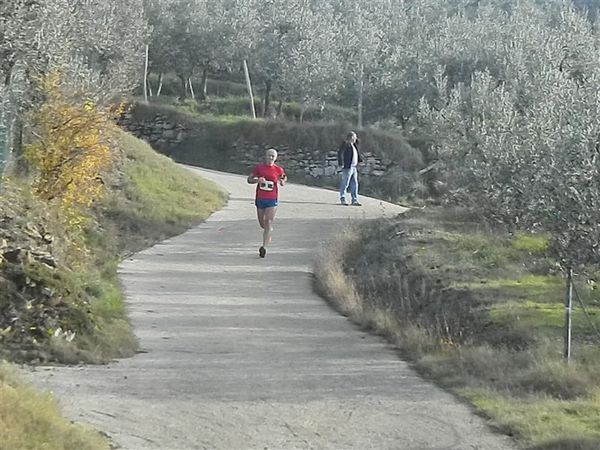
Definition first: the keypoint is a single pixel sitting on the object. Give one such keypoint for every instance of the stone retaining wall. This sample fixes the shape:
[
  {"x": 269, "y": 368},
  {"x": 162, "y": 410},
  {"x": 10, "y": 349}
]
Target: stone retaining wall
[
  {"x": 311, "y": 162},
  {"x": 315, "y": 163},
  {"x": 156, "y": 132}
]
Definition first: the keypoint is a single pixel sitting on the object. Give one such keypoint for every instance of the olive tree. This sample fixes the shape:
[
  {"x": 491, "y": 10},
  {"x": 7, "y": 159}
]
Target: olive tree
[
  {"x": 94, "y": 44},
  {"x": 197, "y": 37},
  {"x": 276, "y": 33},
  {"x": 312, "y": 70},
  {"x": 363, "y": 44},
  {"x": 523, "y": 145},
  {"x": 99, "y": 46}
]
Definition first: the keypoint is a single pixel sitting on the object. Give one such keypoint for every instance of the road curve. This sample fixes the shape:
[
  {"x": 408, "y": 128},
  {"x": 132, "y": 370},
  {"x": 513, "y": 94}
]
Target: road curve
[{"x": 239, "y": 353}]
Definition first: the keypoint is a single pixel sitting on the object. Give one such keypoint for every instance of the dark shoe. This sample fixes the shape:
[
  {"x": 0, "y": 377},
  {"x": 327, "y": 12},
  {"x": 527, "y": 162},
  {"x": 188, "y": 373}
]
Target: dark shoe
[
  {"x": 356, "y": 204},
  {"x": 262, "y": 252}
]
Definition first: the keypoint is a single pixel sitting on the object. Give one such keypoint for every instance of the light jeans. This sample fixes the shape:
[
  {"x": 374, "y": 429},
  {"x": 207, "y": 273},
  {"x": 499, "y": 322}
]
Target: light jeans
[{"x": 349, "y": 181}]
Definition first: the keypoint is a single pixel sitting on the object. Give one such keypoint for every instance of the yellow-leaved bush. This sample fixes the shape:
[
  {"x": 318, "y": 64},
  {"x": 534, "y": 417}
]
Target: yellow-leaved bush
[{"x": 71, "y": 149}]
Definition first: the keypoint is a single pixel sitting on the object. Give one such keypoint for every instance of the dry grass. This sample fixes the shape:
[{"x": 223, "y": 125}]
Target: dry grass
[
  {"x": 508, "y": 365},
  {"x": 30, "y": 420},
  {"x": 332, "y": 282}
]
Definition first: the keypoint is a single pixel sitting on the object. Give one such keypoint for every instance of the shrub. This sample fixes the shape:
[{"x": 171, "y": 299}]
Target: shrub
[{"x": 71, "y": 150}]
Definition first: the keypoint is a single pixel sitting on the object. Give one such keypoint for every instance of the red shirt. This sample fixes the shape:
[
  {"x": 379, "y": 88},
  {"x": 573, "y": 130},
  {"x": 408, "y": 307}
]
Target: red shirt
[{"x": 272, "y": 174}]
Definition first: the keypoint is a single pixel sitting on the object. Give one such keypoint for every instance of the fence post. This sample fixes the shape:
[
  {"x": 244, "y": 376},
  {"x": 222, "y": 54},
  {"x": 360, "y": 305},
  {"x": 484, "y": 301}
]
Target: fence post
[{"x": 568, "y": 316}]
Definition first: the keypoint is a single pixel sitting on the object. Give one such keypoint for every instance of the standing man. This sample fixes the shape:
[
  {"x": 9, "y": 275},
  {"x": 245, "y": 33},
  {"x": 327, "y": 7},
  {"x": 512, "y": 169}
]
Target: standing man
[
  {"x": 348, "y": 159},
  {"x": 268, "y": 177}
]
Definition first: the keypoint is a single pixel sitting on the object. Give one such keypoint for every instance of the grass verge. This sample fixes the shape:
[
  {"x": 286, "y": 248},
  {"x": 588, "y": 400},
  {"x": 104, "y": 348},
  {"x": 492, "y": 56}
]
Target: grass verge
[
  {"x": 59, "y": 295},
  {"x": 30, "y": 420},
  {"x": 150, "y": 199},
  {"x": 478, "y": 311}
]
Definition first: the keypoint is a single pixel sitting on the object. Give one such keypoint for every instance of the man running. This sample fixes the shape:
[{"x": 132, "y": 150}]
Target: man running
[{"x": 268, "y": 177}]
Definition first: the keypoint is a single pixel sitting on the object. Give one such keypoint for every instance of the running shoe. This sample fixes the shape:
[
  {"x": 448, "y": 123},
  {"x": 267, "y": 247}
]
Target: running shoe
[{"x": 262, "y": 252}]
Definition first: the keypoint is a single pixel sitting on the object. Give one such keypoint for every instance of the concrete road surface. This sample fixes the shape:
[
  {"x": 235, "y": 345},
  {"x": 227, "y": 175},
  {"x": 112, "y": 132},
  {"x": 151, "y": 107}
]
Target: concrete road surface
[{"x": 239, "y": 353}]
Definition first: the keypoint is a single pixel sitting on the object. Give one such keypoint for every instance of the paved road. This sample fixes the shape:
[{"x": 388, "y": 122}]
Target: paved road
[{"x": 241, "y": 354}]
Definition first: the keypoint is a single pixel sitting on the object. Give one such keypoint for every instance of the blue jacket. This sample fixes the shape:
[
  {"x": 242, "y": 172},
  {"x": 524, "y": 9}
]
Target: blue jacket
[{"x": 345, "y": 155}]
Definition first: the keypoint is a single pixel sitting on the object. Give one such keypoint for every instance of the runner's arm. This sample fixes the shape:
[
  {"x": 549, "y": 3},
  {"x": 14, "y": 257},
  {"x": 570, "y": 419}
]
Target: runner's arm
[
  {"x": 283, "y": 179},
  {"x": 254, "y": 178}
]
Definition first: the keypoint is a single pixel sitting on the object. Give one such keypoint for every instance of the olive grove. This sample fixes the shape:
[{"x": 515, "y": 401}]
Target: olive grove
[
  {"x": 95, "y": 46},
  {"x": 521, "y": 138},
  {"x": 505, "y": 92}
]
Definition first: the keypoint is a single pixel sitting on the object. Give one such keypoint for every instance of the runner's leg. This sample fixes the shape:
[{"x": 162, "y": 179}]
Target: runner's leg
[
  {"x": 260, "y": 214},
  {"x": 269, "y": 217}
]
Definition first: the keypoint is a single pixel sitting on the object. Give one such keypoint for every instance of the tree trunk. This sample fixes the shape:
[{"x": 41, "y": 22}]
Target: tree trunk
[
  {"x": 4, "y": 153},
  {"x": 204, "y": 90},
  {"x": 267, "y": 103},
  {"x": 191, "y": 89},
  {"x": 17, "y": 162},
  {"x": 160, "y": 84},
  {"x": 302, "y": 111},
  {"x": 184, "y": 86},
  {"x": 279, "y": 108}
]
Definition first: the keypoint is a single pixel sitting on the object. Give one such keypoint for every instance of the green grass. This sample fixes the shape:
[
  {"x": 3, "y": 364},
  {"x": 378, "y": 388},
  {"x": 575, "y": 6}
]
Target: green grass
[
  {"x": 500, "y": 299},
  {"x": 238, "y": 104},
  {"x": 479, "y": 249},
  {"x": 157, "y": 199},
  {"x": 543, "y": 420},
  {"x": 533, "y": 243},
  {"x": 31, "y": 420}
]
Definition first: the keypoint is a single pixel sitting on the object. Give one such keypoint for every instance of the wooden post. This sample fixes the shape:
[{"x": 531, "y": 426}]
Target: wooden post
[
  {"x": 568, "y": 316},
  {"x": 249, "y": 86},
  {"x": 146, "y": 75},
  {"x": 361, "y": 88}
]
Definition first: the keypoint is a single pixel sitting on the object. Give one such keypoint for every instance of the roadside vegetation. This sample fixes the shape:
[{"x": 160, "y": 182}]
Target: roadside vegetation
[
  {"x": 481, "y": 312},
  {"x": 60, "y": 299},
  {"x": 60, "y": 250},
  {"x": 30, "y": 420},
  {"x": 231, "y": 99}
]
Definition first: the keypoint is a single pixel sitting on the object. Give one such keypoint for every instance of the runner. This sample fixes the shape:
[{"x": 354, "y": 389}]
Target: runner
[{"x": 268, "y": 176}]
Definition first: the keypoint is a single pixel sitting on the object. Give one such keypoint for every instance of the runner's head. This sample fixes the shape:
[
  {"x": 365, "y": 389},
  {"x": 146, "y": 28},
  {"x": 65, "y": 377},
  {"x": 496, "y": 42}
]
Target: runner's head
[{"x": 270, "y": 156}]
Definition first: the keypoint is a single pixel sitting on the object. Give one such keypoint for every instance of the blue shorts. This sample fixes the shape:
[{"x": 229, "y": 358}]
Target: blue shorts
[{"x": 262, "y": 203}]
